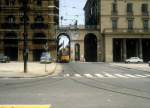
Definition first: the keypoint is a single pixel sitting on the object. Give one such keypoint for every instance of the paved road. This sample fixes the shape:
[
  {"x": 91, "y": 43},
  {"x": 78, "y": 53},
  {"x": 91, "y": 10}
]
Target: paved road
[{"x": 81, "y": 85}]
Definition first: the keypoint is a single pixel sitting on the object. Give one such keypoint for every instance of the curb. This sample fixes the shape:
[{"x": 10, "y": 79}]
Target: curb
[
  {"x": 129, "y": 68},
  {"x": 38, "y": 76}
]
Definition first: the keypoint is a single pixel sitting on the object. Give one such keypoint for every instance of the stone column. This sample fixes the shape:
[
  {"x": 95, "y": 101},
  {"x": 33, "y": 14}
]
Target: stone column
[
  {"x": 140, "y": 48},
  {"x": 137, "y": 48},
  {"x": 108, "y": 49},
  {"x": 124, "y": 49},
  {"x": 20, "y": 48},
  {"x": 99, "y": 49}
]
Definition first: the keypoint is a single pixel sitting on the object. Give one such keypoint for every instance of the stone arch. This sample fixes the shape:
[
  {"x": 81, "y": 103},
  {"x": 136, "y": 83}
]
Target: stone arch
[
  {"x": 63, "y": 43},
  {"x": 38, "y": 38},
  {"x": 11, "y": 45},
  {"x": 90, "y": 47}
]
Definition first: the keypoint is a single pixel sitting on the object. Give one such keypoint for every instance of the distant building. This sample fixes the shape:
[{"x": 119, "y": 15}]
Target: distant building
[
  {"x": 42, "y": 16},
  {"x": 124, "y": 27}
]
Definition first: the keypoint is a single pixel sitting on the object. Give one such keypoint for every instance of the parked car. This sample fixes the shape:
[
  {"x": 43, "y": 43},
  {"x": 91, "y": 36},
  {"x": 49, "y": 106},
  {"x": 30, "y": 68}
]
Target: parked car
[
  {"x": 134, "y": 60},
  {"x": 149, "y": 63},
  {"x": 4, "y": 59},
  {"x": 45, "y": 58}
]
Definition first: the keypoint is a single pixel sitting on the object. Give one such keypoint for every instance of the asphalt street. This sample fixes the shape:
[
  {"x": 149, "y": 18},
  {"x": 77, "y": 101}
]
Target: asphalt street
[{"x": 81, "y": 85}]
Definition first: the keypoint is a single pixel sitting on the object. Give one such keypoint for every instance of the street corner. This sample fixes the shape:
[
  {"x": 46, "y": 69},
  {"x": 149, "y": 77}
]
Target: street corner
[
  {"x": 136, "y": 66},
  {"x": 34, "y": 70}
]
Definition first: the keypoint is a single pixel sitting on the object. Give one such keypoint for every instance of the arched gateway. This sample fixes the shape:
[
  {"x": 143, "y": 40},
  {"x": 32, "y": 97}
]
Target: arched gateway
[
  {"x": 63, "y": 48},
  {"x": 90, "y": 48}
]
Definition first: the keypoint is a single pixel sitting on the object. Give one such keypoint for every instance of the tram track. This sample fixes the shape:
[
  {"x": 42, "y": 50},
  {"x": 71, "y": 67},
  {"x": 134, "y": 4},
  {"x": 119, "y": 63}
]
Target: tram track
[{"x": 97, "y": 86}]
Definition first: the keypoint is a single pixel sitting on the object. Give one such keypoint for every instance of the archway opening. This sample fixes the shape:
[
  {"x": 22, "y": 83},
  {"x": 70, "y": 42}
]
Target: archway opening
[
  {"x": 90, "y": 48},
  {"x": 117, "y": 50},
  {"x": 63, "y": 48},
  {"x": 11, "y": 45},
  {"x": 146, "y": 49},
  {"x": 38, "y": 39},
  {"x": 132, "y": 48}
]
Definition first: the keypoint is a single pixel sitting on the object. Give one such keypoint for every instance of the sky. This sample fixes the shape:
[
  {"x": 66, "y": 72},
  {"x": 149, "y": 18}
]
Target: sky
[{"x": 72, "y": 10}]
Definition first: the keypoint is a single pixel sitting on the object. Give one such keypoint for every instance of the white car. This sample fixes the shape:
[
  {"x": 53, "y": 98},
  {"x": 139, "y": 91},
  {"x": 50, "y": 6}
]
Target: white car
[{"x": 134, "y": 60}]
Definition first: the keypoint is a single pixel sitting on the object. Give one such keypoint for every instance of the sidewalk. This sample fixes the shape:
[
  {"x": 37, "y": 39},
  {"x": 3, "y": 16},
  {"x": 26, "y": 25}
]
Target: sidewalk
[
  {"x": 142, "y": 67},
  {"x": 35, "y": 69}
]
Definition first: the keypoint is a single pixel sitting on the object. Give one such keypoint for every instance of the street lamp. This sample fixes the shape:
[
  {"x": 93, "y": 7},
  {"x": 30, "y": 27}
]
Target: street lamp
[{"x": 25, "y": 35}]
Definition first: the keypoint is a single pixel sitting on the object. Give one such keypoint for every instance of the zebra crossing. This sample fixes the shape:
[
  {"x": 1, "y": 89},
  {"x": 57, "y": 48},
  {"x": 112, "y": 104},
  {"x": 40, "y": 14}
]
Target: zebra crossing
[{"x": 106, "y": 75}]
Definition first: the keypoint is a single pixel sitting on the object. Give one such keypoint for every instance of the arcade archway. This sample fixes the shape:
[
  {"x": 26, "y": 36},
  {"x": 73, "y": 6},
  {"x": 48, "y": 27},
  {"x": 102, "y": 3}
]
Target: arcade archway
[
  {"x": 38, "y": 39},
  {"x": 63, "y": 48},
  {"x": 11, "y": 45},
  {"x": 90, "y": 48}
]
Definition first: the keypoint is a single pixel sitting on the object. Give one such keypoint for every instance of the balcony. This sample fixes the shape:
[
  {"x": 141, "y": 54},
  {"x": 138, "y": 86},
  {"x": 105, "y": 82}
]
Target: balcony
[
  {"x": 145, "y": 15},
  {"x": 126, "y": 30},
  {"x": 10, "y": 26},
  {"x": 114, "y": 14},
  {"x": 130, "y": 15},
  {"x": 6, "y": 7},
  {"x": 39, "y": 26}
]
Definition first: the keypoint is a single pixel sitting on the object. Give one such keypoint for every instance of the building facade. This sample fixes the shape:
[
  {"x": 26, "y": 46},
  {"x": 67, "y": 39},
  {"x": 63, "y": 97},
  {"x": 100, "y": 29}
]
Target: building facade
[
  {"x": 124, "y": 27},
  {"x": 42, "y": 17}
]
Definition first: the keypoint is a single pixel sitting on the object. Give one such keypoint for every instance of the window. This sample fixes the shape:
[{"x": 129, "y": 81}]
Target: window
[
  {"x": 129, "y": 8},
  {"x": 39, "y": 18},
  {"x": 10, "y": 19},
  {"x": 144, "y": 9},
  {"x": 26, "y": 18},
  {"x": 145, "y": 25},
  {"x": 114, "y": 24},
  {"x": 130, "y": 24},
  {"x": 38, "y": 2},
  {"x": 114, "y": 8},
  {"x": 10, "y": 2}
]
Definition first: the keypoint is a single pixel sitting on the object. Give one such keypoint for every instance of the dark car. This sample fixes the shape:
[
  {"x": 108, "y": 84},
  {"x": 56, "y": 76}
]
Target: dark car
[{"x": 4, "y": 59}]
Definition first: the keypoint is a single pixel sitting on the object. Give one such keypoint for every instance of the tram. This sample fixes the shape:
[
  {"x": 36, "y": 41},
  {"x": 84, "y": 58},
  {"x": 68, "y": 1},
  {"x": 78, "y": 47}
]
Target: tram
[{"x": 64, "y": 56}]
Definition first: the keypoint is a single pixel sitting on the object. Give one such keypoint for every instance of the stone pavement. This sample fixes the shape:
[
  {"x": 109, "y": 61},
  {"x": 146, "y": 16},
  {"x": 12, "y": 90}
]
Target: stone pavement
[
  {"x": 142, "y": 67},
  {"x": 35, "y": 69}
]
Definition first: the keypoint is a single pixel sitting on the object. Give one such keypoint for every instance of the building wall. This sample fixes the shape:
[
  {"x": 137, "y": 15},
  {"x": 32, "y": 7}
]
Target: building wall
[
  {"x": 105, "y": 17},
  {"x": 77, "y": 36},
  {"x": 49, "y": 10}
]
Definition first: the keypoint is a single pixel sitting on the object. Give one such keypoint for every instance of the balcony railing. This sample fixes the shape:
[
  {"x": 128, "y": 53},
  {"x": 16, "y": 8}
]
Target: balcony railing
[
  {"x": 145, "y": 15},
  {"x": 114, "y": 13},
  {"x": 78, "y": 27},
  {"x": 39, "y": 26},
  {"x": 126, "y": 30},
  {"x": 10, "y": 26},
  {"x": 130, "y": 15}
]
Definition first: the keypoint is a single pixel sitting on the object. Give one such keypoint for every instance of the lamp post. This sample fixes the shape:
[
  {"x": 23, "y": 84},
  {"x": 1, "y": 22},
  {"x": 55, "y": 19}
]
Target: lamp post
[{"x": 25, "y": 35}]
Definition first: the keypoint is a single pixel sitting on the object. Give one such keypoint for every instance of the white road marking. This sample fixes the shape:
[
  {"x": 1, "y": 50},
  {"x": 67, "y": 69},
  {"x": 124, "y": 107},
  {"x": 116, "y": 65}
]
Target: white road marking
[
  {"x": 129, "y": 75},
  {"x": 147, "y": 75},
  {"x": 66, "y": 75},
  {"x": 77, "y": 75},
  {"x": 99, "y": 75},
  {"x": 121, "y": 76},
  {"x": 140, "y": 76},
  {"x": 109, "y": 75},
  {"x": 88, "y": 75}
]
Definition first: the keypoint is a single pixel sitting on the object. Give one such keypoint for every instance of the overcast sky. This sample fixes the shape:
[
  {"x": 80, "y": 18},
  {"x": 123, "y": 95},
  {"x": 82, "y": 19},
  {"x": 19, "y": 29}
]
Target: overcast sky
[{"x": 72, "y": 10}]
